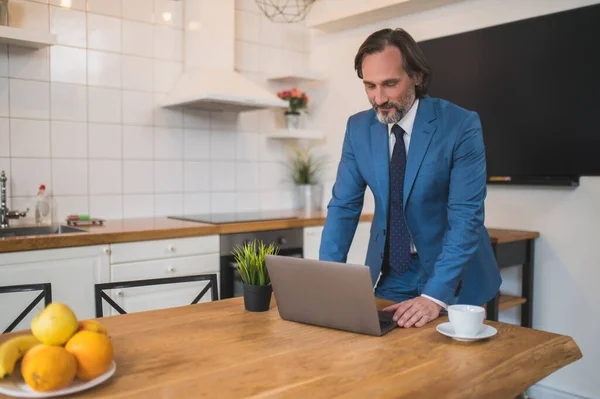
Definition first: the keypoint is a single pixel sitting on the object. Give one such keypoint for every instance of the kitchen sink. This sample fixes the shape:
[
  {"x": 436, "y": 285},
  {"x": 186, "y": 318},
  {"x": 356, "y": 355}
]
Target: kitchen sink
[{"x": 38, "y": 231}]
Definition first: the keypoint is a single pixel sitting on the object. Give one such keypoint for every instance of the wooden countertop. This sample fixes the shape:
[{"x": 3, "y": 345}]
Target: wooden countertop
[
  {"x": 218, "y": 349},
  {"x": 128, "y": 230}
]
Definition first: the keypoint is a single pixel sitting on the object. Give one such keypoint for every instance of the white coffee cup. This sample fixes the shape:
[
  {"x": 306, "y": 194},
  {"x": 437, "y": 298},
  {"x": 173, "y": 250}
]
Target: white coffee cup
[{"x": 466, "y": 320}]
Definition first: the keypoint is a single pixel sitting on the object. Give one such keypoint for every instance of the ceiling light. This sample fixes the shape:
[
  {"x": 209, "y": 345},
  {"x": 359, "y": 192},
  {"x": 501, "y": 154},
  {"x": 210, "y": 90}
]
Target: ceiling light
[
  {"x": 166, "y": 16},
  {"x": 65, "y": 3},
  {"x": 285, "y": 10}
]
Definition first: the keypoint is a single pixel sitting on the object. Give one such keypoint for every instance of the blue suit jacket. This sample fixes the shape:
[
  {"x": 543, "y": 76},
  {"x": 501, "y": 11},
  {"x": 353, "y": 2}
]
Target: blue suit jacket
[{"x": 444, "y": 193}]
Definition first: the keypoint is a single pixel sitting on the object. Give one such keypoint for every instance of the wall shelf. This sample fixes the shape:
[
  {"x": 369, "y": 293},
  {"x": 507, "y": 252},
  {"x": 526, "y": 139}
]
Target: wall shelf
[
  {"x": 328, "y": 16},
  {"x": 26, "y": 37},
  {"x": 296, "y": 134},
  {"x": 296, "y": 77}
]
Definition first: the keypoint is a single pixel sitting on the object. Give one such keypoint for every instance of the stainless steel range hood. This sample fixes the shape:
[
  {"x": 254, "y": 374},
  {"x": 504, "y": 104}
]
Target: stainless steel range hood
[{"x": 209, "y": 80}]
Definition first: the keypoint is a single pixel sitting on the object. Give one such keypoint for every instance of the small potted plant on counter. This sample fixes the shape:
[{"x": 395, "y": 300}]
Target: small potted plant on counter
[
  {"x": 305, "y": 172},
  {"x": 256, "y": 283}
]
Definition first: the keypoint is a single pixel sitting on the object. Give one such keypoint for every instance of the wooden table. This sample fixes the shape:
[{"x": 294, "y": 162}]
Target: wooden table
[{"x": 219, "y": 350}]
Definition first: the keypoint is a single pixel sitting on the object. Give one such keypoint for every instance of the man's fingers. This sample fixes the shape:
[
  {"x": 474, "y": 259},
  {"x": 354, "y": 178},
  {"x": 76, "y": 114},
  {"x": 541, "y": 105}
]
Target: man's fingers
[
  {"x": 407, "y": 315},
  {"x": 424, "y": 320},
  {"x": 404, "y": 306},
  {"x": 392, "y": 307},
  {"x": 414, "y": 319}
]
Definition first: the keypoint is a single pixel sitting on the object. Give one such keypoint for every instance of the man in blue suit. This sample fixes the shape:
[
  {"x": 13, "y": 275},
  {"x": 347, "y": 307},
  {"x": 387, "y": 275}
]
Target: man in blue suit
[{"x": 424, "y": 161}]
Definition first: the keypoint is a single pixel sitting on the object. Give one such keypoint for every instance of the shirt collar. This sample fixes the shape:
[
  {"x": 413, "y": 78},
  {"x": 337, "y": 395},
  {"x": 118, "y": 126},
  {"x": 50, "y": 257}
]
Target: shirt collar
[{"x": 408, "y": 121}]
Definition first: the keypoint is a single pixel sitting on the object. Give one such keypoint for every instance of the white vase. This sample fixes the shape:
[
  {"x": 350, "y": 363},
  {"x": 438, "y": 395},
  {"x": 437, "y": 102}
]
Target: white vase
[
  {"x": 292, "y": 119},
  {"x": 309, "y": 198}
]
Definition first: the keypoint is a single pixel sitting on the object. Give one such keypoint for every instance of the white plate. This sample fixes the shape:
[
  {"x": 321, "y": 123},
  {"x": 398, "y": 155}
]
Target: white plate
[
  {"x": 15, "y": 386},
  {"x": 485, "y": 332}
]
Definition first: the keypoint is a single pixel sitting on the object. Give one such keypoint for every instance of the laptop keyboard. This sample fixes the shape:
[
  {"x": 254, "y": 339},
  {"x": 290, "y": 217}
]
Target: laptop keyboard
[{"x": 386, "y": 323}]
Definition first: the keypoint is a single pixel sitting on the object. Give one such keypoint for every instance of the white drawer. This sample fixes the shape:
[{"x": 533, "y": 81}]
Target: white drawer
[
  {"x": 176, "y": 267},
  {"x": 163, "y": 249}
]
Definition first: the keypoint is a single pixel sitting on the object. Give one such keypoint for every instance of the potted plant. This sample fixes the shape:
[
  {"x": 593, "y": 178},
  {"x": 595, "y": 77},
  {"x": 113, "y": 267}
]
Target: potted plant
[
  {"x": 298, "y": 101},
  {"x": 305, "y": 170},
  {"x": 256, "y": 284}
]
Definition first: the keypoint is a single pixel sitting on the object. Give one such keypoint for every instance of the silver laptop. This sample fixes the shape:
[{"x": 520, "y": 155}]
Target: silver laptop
[{"x": 327, "y": 294}]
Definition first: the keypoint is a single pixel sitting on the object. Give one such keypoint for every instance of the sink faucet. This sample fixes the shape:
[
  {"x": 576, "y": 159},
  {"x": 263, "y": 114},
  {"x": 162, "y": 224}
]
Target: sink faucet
[{"x": 5, "y": 213}]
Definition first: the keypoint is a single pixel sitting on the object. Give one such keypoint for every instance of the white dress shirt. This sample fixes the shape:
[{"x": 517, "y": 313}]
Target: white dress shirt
[{"x": 407, "y": 124}]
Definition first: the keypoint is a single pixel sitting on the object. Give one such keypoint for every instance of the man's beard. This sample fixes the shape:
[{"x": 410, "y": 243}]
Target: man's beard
[{"x": 398, "y": 111}]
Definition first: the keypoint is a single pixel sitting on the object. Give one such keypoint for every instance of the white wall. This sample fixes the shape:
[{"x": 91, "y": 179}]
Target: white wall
[
  {"x": 82, "y": 117},
  {"x": 566, "y": 297}
]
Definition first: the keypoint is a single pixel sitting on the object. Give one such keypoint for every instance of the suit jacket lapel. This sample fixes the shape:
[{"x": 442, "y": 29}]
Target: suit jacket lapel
[
  {"x": 423, "y": 131},
  {"x": 381, "y": 162}
]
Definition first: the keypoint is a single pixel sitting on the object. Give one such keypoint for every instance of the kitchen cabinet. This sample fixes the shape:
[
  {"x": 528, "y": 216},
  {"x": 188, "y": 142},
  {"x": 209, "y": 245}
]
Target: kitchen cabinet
[
  {"x": 156, "y": 259},
  {"x": 358, "y": 249},
  {"x": 71, "y": 271}
]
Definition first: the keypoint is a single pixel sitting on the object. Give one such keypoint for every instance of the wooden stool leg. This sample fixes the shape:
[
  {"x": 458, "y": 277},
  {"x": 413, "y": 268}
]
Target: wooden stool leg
[{"x": 492, "y": 308}]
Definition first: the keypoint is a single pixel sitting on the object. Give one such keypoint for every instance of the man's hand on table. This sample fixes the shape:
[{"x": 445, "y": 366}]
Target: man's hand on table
[{"x": 414, "y": 312}]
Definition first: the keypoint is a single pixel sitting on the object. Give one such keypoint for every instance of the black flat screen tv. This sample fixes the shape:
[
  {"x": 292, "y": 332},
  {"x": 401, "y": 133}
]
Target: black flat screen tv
[{"x": 535, "y": 84}]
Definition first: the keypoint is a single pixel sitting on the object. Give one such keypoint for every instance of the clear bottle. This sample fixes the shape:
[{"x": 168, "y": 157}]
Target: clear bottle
[
  {"x": 43, "y": 214},
  {"x": 4, "y": 20}
]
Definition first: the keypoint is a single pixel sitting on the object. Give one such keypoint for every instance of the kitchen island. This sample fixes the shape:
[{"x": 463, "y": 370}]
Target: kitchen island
[{"x": 218, "y": 349}]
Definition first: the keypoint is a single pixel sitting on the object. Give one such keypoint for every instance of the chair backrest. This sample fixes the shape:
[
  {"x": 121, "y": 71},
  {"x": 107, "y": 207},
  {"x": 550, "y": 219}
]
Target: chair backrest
[
  {"x": 46, "y": 294},
  {"x": 100, "y": 294}
]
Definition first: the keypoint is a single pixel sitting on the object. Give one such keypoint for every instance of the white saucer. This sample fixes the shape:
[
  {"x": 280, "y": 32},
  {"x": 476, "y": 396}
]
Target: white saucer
[
  {"x": 15, "y": 386},
  {"x": 485, "y": 332}
]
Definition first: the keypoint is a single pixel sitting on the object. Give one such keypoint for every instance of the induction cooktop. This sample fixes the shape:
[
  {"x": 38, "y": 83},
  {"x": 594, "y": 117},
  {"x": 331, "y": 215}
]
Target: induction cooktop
[{"x": 237, "y": 217}]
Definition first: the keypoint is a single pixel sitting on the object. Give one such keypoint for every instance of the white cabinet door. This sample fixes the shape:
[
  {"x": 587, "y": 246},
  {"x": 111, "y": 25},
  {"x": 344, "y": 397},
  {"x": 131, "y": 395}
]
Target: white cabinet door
[
  {"x": 358, "y": 250},
  {"x": 71, "y": 271},
  {"x": 312, "y": 241},
  {"x": 170, "y": 258}
]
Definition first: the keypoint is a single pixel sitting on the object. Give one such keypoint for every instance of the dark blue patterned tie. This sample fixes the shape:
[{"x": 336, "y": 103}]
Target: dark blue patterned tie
[{"x": 400, "y": 258}]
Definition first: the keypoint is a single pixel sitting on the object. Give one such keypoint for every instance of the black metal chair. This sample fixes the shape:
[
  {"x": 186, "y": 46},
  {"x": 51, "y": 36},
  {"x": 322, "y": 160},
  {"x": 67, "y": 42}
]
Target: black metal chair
[
  {"x": 46, "y": 294},
  {"x": 100, "y": 294}
]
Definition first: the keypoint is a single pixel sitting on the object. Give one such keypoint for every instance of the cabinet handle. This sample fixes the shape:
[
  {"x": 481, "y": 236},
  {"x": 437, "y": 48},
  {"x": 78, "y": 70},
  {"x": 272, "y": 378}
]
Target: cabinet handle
[
  {"x": 171, "y": 248},
  {"x": 170, "y": 269},
  {"x": 107, "y": 251},
  {"x": 120, "y": 293}
]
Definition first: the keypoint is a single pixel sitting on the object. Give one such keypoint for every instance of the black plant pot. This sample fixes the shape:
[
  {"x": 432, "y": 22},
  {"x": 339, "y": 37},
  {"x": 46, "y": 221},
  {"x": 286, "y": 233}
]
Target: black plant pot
[{"x": 257, "y": 298}]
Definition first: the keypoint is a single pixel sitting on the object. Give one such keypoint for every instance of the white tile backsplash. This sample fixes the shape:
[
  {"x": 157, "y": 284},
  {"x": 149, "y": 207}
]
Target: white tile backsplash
[
  {"x": 68, "y": 102},
  {"x": 69, "y": 26},
  {"x": 104, "y": 105},
  {"x": 69, "y": 177},
  {"x": 196, "y": 177},
  {"x": 106, "y": 206},
  {"x": 106, "y": 176},
  {"x": 137, "y": 38},
  {"x": 138, "y": 142},
  {"x": 138, "y": 108},
  {"x": 26, "y": 175},
  {"x": 85, "y": 116},
  {"x": 29, "y": 138},
  {"x": 138, "y": 206},
  {"x": 104, "y": 141},
  {"x": 3, "y": 60},
  {"x": 138, "y": 177},
  {"x": 104, "y": 33},
  {"x": 4, "y": 137},
  {"x": 4, "y": 88},
  {"x": 27, "y": 64},
  {"x": 168, "y": 43},
  {"x": 168, "y": 176},
  {"x": 168, "y": 143},
  {"x": 137, "y": 73},
  {"x": 106, "y": 7},
  {"x": 168, "y": 205},
  {"x": 29, "y": 99},
  {"x": 68, "y": 65},
  {"x": 104, "y": 69},
  {"x": 68, "y": 139},
  {"x": 139, "y": 10}
]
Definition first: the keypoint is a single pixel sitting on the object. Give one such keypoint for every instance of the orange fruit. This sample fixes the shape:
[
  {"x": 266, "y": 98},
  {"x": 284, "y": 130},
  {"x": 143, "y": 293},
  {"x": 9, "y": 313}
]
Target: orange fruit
[
  {"x": 48, "y": 368},
  {"x": 93, "y": 352},
  {"x": 92, "y": 325}
]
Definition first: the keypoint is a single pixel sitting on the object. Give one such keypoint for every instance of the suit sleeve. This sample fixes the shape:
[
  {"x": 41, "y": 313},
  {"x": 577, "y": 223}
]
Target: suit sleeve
[
  {"x": 345, "y": 206},
  {"x": 465, "y": 210}
]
